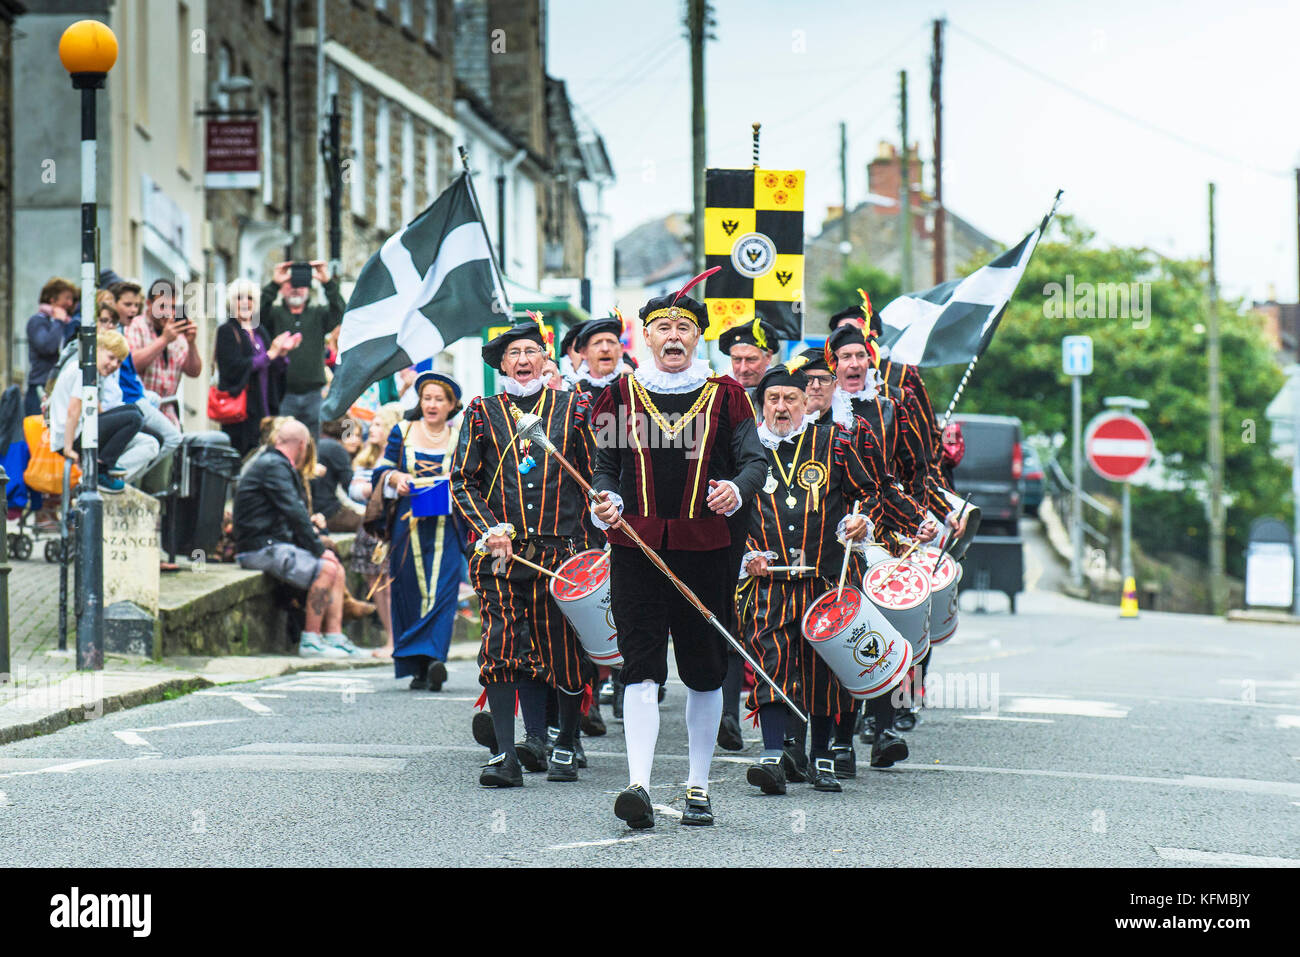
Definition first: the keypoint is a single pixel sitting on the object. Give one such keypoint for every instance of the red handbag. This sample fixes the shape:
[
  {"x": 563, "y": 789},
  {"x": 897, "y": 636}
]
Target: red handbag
[{"x": 227, "y": 409}]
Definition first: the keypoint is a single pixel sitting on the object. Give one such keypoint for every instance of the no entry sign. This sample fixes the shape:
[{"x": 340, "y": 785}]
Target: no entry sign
[{"x": 1118, "y": 445}]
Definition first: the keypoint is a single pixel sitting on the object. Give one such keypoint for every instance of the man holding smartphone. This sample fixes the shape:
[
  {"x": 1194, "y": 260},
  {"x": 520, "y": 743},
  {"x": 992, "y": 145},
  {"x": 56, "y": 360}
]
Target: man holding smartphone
[
  {"x": 162, "y": 347},
  {"x": 305, "y": 376}
]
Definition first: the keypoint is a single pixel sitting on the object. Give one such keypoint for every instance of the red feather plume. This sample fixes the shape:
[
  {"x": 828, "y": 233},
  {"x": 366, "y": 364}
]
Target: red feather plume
[{"x": 700, "y": 278}]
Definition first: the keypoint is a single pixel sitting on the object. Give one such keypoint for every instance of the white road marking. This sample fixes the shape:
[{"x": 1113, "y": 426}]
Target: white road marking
[
  {"x": 251, "y": 703},
  {"x": 306, "y": 747},
  {"x": 634, "y": 839},
  {"x": 190, "y": 724},
  {"x": 998, "y": 717},
  {"x": 328, "y": 684},
  {"x": 1219, "y": 859},
  {"x": 231, "y": 694},
  {"x": 670, "y": 811},
  {"x": 131, "y": 738},
  {"x": 1287, "y": 720},
  {"x": 60, "y": 768},
  {"x": 1259, "y": 683},
  {"x": 447, "y": 697},
  {"x": 1069, "y": 706},
  {"x": 1242, "y": 785}
]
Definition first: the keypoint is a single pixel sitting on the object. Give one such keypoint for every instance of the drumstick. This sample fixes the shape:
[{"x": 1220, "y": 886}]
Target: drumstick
[
  {"x": 901, "y": 562},
  {"x": 848, "y": 550},
  {"x": 544, "y": 571},
  {"x": 791, "y": 568},
  {"x": 951, "y": 538}
]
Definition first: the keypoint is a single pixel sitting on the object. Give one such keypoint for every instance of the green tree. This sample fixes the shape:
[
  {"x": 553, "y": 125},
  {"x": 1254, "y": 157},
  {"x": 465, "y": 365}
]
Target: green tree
[
  {"x": 1161, "y": 358},
  {"x": 841, "y": 292}
]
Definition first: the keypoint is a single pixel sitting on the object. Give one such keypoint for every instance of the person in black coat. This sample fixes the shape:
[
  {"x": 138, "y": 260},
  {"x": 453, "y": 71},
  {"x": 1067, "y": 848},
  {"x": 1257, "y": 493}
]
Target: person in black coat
[{"x": 248, "y": 358}]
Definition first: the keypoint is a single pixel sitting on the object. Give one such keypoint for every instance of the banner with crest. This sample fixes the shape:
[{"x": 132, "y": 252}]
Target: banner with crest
[{"x": 753, "y": 229}]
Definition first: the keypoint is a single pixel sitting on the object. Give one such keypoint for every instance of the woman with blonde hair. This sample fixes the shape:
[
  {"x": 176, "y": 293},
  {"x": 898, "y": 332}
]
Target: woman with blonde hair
[
  {"x": 363, "y": 548},
  {"x": 249, "y": 360}
]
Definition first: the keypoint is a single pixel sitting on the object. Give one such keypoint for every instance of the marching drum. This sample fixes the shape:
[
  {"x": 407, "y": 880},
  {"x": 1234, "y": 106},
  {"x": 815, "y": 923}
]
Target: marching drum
[
  {"x": 586, "y": 604},
  {"x": 972, "y": 512},
  {"x": 902, "y": 593},
  {"x": 867, "y": 655},
  {"x": 943, "y": 593}
]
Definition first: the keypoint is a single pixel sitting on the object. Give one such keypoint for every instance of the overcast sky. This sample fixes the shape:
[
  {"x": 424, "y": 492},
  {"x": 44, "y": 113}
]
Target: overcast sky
[{"x": 1210, "y": 86}]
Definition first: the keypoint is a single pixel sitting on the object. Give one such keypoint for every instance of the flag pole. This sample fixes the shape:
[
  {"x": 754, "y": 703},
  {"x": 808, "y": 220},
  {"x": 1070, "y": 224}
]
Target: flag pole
[
  {"x": 1042, "y": 228},
  {"x": 498, "y": 277}
]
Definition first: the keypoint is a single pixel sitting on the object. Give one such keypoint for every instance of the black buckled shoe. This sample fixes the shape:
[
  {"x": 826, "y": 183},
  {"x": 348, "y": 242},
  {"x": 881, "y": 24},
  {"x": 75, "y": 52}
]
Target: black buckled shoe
[
  {"x": 502, "y": 771},
  {"x": 889, "y": 748},
  {"x": 868, "y": 733},
  {"x": 592, "y": 724},
  {"x": 633, "y": 807},
  {"x": 532, "y": 753},
  {"x": 435, "y": 675},
  {"x": 552, "y": 735},
  {"x": 698, "y": 810},
  {"x": 846, "y": 760},
  {"x": 794, "y": 761},
  {"x": 419, "y": 683},
  {"x": 767, "y": 774},
  {"x": 823, "y": 775},
  {"x": 729, "y": 737},
  {"x": 906, "y": 719},
  {"x": 562, "y": 765},
  {"x": 485, "y": 732}
]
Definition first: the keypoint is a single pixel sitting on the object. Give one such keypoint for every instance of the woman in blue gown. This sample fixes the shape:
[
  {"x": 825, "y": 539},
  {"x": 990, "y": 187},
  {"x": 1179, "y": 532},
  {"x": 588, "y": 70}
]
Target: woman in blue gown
[{"x": 425, "y": 553}]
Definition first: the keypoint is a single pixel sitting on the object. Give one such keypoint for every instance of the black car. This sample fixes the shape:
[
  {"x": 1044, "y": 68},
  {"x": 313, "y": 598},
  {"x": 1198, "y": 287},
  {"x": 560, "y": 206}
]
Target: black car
[{"x": 991, "y": 470}]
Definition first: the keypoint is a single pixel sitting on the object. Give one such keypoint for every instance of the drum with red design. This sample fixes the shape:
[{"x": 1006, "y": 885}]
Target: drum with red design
[
  {"x": 857, "y": 642},
  {"x": 944, "y": 579},
  {"x": 586, "y": 604},
  {"x": 902, "y": 593}
]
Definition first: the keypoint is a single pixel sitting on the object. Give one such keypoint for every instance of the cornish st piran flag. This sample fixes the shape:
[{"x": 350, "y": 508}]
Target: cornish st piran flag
[
  {"x": 430, "y": 284},
  {"x": 953, "y": 322}
]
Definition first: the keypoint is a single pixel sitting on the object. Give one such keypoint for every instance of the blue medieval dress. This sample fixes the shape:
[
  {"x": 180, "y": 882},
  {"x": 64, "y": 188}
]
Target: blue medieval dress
[{"x": 424, "y": 562}]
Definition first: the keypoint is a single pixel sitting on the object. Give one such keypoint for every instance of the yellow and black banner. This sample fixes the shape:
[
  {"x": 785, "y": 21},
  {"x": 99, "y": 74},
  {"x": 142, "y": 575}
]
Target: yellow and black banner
[{"x": 753, "y": 229}]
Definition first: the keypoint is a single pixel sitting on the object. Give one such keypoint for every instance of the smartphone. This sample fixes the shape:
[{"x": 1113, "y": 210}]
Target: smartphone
[{"x": 300, "y": 275}]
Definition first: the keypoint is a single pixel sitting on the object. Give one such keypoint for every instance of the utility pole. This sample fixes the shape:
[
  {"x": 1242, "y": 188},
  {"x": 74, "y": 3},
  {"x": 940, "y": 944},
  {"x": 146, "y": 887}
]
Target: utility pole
[
  {"x": 904, "y": 189},
  {"x": 331, "y": 151},
  {"x": 936, "y": 104},
  {"x": 696, "y": 14},
  {"x": 1218, "y": 597},
  {"x": 845, "y": 246}
]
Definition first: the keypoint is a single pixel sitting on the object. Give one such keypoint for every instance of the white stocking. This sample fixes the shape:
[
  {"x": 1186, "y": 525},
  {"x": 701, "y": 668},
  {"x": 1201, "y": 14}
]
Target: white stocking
[
  {"x": 703, "y": 714},
  {"x": 641, "y": 729}
]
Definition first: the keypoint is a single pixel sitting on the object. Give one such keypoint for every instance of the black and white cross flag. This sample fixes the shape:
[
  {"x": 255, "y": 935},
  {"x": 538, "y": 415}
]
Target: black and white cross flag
[
  {"x": 954, "y": 321},
  {"x": 431, "y": 283}
]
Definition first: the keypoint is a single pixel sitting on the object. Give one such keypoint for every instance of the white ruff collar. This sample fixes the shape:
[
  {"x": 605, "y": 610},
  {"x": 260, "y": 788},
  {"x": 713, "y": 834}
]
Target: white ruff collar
[
  {"x": 688, "y": 380},
  {"x": 870, "y": 387},
  {"x": 841, "y": 409},
  {"x": 511, "y": 387},
  {"x": 584, "y": 372},
  {"x": 771, "y": 440},
  {"x": 812, "y": 418}
]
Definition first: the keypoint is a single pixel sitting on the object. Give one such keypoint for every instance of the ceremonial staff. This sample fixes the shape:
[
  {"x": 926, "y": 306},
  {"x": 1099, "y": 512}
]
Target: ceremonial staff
[{"x": 529, "y": 426}]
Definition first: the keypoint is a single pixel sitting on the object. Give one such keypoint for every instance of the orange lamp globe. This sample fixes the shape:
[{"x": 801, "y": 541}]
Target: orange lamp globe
[{"x": 88, "y": 46}]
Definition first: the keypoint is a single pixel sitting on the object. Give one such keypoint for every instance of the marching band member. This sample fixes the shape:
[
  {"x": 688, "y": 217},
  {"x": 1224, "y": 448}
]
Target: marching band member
[
  {"x": 750, "y": 348},
  {"x": 601, "y": 350},
  {"x": 520, "y": 503},
  {"x": 684, "y": 456},
  {"x": 814, "y": 469}
]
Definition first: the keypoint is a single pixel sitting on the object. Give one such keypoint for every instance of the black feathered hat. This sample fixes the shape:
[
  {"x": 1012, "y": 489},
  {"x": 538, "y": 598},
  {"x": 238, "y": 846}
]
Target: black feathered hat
[
  {"x": 495, "y": 350},
  {"x": 592, "y": 327},
  {"x": 785, "y": 374},
  {"x": 679, "y": 305},
  {"x": 758, "y": 333}
]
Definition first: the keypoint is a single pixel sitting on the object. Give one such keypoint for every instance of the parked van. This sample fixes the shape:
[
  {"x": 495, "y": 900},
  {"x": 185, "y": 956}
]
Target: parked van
[{"x": 991, "y": 470}]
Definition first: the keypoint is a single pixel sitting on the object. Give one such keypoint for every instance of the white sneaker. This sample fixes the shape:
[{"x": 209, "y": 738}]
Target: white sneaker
[
  {"x": 343, "y": 643},
  {"x": 312, "y": 645}
]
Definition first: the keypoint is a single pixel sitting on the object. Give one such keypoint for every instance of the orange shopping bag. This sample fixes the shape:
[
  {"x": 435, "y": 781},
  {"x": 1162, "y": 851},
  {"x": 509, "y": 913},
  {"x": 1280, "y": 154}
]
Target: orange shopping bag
[{"x": 44, "y": 472}]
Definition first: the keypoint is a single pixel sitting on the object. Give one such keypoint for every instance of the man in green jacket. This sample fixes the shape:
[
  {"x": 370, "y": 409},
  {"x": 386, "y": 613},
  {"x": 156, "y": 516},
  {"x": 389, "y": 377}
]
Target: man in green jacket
[{"x": 305, "y": 377}]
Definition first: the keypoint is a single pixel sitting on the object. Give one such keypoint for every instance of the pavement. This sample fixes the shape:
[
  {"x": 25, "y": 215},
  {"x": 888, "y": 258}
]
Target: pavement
[{"x": 1061, "y": 736}]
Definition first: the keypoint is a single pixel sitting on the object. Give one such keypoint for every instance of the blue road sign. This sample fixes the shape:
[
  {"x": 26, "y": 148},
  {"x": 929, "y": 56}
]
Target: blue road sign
[{"x": 1076, "y": 355}]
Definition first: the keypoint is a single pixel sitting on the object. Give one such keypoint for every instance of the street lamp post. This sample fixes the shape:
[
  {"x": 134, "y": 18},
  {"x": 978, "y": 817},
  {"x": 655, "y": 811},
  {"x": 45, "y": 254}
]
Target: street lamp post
[{"x": 88, "y": 50}]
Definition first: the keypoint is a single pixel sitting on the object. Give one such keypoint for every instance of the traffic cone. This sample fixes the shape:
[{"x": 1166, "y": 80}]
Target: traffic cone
[{"x": 1128, "y": 602}]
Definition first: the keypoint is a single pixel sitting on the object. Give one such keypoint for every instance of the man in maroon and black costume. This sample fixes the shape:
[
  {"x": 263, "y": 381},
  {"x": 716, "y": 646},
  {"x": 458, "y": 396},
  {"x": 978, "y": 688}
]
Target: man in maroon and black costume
[
  {"x": 519, "y": 501},
  {"x": 678, "y": 452}
]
